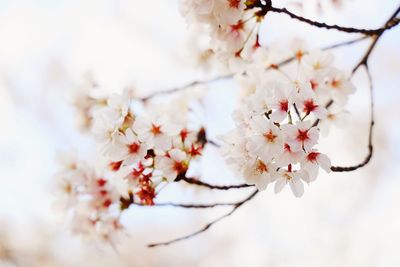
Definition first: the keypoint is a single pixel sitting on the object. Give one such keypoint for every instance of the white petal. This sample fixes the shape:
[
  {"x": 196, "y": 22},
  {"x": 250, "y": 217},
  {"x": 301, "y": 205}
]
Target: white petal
[
  {"x": 320, "y": 113},
  {"x": 177, "y": 155},
  {"x": 297, "y": 187},
  {"x": 279, "y": 185},
  {"x": 162, "y": 142},
  {"x": 324, "y": 162}
]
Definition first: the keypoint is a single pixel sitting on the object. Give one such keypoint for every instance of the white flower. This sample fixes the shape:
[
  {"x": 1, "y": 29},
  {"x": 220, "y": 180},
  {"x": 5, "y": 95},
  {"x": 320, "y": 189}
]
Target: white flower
[
  {"x": 128, "y": 148},
  {"x": 336, "y": 116},
  {"x": 318, "y": 61},
  {"x": 228, "y": 12},
  {"x": 282, "y": 100},
  {"x": 185, "y": 139},
  {"x": 105, "y": 130},
  {"x": 232, "y": 37},
  {"x": 308, "y": 103},
  {"x": 311, "y": 163},
  {"x": 340, "y": 87},
  {"x": 265, "y": 140},
  {"x": 173, "y": 164},
  {"x": 154, "y": 132},
  {"x": 288, "y": 156},
  {"x": 293, "y": 178},
  {"x": 301, "y": 136},
  {"x": 234, "y": 149},
  {"x": 259, "y": 173}
]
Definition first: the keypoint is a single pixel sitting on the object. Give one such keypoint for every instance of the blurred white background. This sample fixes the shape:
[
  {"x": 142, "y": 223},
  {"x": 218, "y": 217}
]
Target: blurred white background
[{"x": 47, "y": 46}]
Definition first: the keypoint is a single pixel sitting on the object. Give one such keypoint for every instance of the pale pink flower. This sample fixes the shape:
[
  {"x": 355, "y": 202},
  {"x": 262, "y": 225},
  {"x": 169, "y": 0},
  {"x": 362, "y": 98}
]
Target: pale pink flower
[
  {"x": 301, "y": 135},
  {"x": 313, "y": 161},
  {"x": 173, "y": 164}
]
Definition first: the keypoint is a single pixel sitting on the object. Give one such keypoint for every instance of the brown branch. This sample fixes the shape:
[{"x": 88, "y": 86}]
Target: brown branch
[
  {"x": 197, "y": 182},
  {"x": 208, "y": 225},
  {"x": 364, "y": 62},
  {"x": 187, "y": 206},
  {"x": 326, "y": 48},
  {"x": 389, "y": 22},
  {"x": 371, "y": 127},
  {"x": 228, "y": 76},
  {"x": 369, "y": 32},
  {"x": 186, "y": 86}
]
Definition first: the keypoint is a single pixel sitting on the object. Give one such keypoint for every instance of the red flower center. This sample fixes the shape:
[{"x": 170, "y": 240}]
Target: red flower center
[
  {"x": 309, "y": 106},
  {"x": 114, "y": 166},
  {"x": 237, "y": 27},
  {"x": 284, "y": 105},
  {"x": 270, "y": 136},
  {"x": 107, "y": 203},
  {"x": 234, "y": 3},
  {"x": 134, "y": 148},
  {"x": 302, "y": 135},
  {"x": 312, "y": 156},
  {"x": 261, "y": 167},
  {"x": 335, "y": 83},
  {"x": 156, "y": 129},
  {"x": 101, "y": 182}
]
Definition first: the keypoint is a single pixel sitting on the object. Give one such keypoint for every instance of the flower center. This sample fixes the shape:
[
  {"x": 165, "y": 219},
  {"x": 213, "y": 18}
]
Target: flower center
[
  {"x": 270, "y": 137},
  {"x": 261, "y": 167},
  {"x": 335, "y": 83},
  {"x": 312, "y": 156},
  {"x": 302, "y": 135},
  {"x": 284, "y": 105},
  {"x": 156, "y": 129},
  {"x": 134, "y": 148},
  {"x": 234, "y": 3},
  {"x": 309, "y": 106}
]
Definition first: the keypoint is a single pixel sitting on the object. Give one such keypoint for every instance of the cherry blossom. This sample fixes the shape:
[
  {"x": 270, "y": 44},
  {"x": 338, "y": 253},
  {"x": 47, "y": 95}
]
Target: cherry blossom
[
  {"x": 301, "y": 135},
  {"x": 266, "y": 139},
  {"x": 259, "y": 173},
  {"x": 293, "y": 179},
  {"x": 313, "y": 161},
  {"x": 174, "y": 164}
]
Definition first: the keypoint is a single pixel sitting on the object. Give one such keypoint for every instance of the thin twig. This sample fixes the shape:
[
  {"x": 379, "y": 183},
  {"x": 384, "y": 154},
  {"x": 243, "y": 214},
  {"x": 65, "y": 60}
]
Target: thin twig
[
  {"x": 228, "y": 76},
  {"x": 369, "y": 32},
  {"x": 186, "y": 86},
  {"x": 197, "y": 182},
  {"x": 208, "y": 225},
  {"x": 371, "y": 127},
  {"x": 188, "y": 206},
  {"x": 326, "y": 48},
  {"x": 364, "y": 62}
]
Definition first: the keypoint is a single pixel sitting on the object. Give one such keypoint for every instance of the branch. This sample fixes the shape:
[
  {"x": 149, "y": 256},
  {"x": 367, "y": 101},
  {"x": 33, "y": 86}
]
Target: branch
[
  {"x": 194, "y": 181},
  {"x": 364, "y": 62},
  {"x": 369, "y": 32},
  {"x": 187, "y": 206},
  {"x": 228, "y": 76},
  {"x": 371, "y": 126},
  {"x": 326, "y": 48},
  {"x": 207, "y": 226},
  {"x": 186, "y": 86}
]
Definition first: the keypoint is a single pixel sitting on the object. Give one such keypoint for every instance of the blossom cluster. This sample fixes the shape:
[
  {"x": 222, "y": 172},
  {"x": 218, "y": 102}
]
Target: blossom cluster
[
  {"x": 232, "y": 25},
  {"x": 275, "y": 136},
  {"x": 139, "y": 154},
  {"x": 92, "y": 198}
]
